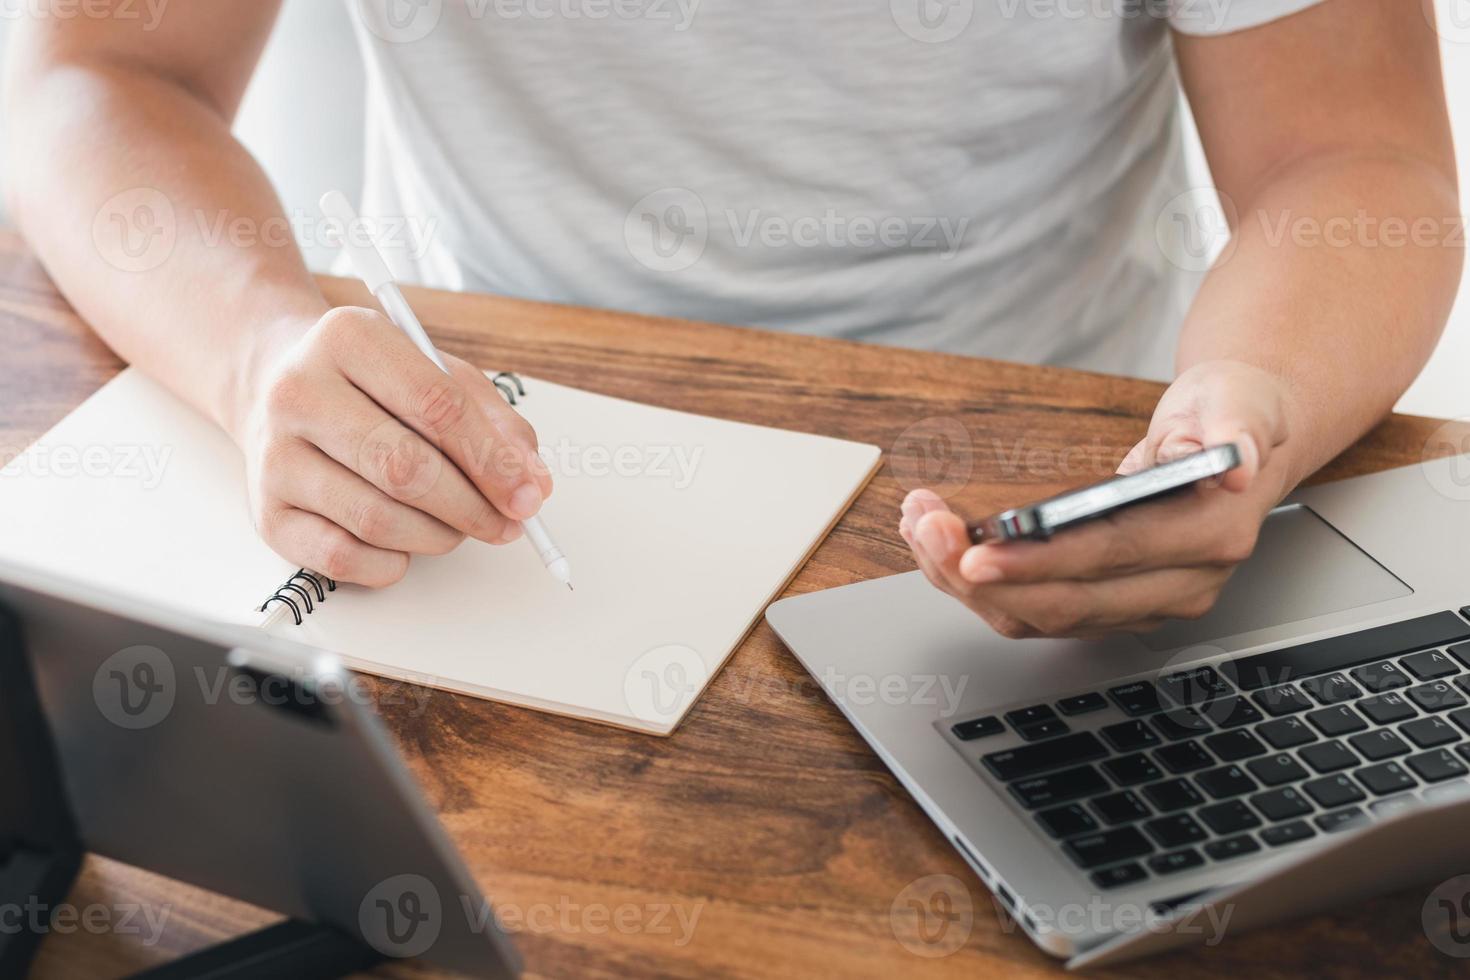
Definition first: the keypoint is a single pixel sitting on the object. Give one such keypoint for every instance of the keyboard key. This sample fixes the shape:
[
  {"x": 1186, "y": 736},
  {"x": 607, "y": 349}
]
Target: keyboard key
[
  {"x": 1446, "y": 791},
  {"x": 1428, "y": 732},
  {"x": 1232, "y": 847},
  {"x": 1043, "y": 729},
  {"x": 1230, "y": 712},
  {"x": 1231, "y": 746},
  {"x": 1336, "y": 720},
  {"x": 1194, "y": 686},
  {"x": 1286, "y": 733},
  {"x": 1172, "y": 794},
  {"x": 967, "y": 731},
  {"x": 1340, "y": 819},
  {"x": 1349, "y": 650},
  {"x": 1138, "y": 698},
  {"x": 1381, "y": 743},
  {"x": 1281, "y": 804},
  {"x": 1331, "y": 688},
  {"x": 1123, "y": 874},
  {"x": 1288, "y": 833},
  {"x": 1034, "y": 715},
  {"x": 1333, "y": 791},
  {"x": 1385, "y": 709},
  {"x": 1395, "y": 804},
  {"x": 1174, "y": 861},
  {"x": 1462, "y": 652},
  {"x": 1328, "y": 756},
  {"x": 1277, "y": 769},
  {"x": 1180, "y": 723},
  {"x": 1382, "y": 676},
  {"x": 1184, "y": 757},
  {"x": 1433, "y": 767},
  {"x": 1461, "y": 718},
  {"x": 1116, "y": 808},
  {"x": 1436, "y": 696},
  {"x": 1082, "y": 704},
  {"x": 1429, "y": 665},
  {"x": 1126, "y": 736},
  {"x": 1176, "y": 830},
  {"x": 1229, "y": 817},
  {"x": 1107, "y": 846},
  {"x": 1051, "y": 754},
  {"x": 1059, "y": 787},
  {"x": 1284, "y": 699},
  {"x": 1066, "y": 821},
  {"x": 1385, "y": 778},
  {"x": 1225, "y": 782},
  {"x": 1130, "y": 770}
]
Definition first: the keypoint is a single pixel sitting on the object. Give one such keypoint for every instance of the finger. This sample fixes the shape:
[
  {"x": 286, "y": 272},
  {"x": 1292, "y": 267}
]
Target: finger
[
  {"x": 312, "y": 541},
  {"x": 359, "y": 435},
  {"x": 940, "y": 539},
  {"x": 491, "y": 400},
  {"x": 1196, "y": 528},
  {"x": 483, "y": 437},
  {"x": 916, "y": 505},
  {"x": 315, "y": 482},
  {"x": 1089, "y": 608}
]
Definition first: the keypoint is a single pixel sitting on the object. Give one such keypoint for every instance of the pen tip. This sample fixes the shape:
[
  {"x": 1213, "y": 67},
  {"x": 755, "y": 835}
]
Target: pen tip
[{"x": 569, "y": 587}]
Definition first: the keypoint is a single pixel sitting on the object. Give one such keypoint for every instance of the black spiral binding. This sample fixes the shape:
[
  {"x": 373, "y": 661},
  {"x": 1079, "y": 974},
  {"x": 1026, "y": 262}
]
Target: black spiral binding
[{"x": 298, "y": 597}]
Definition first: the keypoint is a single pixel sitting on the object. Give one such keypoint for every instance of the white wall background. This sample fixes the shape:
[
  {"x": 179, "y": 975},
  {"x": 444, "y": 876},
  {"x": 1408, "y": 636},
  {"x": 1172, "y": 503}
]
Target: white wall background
[{"x": 303, "y": 119}]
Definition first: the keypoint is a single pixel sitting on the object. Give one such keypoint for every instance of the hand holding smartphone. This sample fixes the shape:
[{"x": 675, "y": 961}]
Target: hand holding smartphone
[{"x": 1044, "y": 518}]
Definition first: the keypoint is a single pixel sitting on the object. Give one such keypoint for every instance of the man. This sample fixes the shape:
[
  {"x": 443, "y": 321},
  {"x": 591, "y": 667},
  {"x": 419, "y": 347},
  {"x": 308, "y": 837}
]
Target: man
[{"x": 1000, "y": 179}]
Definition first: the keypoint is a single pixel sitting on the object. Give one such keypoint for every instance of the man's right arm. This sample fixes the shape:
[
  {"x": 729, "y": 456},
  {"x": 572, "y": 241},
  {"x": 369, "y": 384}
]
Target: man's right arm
[{"x": 166, "y": 236}]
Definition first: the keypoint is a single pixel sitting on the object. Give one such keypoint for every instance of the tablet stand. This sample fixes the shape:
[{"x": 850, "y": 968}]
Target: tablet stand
[{"x": 41, "y": 852}]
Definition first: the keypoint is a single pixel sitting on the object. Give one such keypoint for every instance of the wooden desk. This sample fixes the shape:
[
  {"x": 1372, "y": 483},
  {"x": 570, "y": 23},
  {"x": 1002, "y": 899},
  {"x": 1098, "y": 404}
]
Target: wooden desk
[{"x": 764, "y": 814}]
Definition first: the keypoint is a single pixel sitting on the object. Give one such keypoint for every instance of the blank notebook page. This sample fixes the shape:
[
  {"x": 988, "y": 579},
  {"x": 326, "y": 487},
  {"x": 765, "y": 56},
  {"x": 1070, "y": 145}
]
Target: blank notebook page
[{"x": 679, "y": 528}]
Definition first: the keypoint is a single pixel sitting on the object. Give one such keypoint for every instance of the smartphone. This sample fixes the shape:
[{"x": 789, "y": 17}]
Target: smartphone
[{"x": 1043, "y": 519}]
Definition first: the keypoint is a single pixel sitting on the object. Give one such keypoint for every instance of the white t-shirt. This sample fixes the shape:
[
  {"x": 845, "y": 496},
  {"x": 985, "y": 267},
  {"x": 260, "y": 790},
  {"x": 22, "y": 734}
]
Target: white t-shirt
[{"x": 989, "y": 177}]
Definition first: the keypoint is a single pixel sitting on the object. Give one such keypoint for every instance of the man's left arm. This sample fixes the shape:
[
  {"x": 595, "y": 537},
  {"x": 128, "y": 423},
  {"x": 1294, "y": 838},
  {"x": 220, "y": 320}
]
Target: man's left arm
[{"x": 1327, "y": 136}]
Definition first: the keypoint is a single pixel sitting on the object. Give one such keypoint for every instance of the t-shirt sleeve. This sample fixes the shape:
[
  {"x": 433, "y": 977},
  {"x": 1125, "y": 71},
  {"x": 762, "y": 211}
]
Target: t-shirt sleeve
[{"x": 1225, "y": 16}]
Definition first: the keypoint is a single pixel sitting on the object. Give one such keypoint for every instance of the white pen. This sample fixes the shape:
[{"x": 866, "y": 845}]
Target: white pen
[{"x": 368, "y": 263}]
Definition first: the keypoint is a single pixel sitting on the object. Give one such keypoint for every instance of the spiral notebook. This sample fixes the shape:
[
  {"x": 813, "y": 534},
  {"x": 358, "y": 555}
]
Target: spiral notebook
[{"x": 681, "y": 528}]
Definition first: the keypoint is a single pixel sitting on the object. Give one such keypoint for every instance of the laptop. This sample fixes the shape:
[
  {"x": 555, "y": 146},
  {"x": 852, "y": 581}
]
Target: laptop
[
  {"x": 1306, "y": 742},
  {"x": 230, "y": 759}
]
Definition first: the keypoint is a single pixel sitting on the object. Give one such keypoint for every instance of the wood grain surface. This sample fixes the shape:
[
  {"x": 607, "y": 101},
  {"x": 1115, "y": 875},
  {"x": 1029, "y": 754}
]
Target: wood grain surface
[{"x": 765, "y": 821}]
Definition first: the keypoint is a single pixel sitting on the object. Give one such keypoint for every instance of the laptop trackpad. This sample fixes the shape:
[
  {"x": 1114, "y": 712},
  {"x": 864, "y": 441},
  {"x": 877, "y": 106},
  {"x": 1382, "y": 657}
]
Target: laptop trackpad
[{"x": 1302, "y": 567}]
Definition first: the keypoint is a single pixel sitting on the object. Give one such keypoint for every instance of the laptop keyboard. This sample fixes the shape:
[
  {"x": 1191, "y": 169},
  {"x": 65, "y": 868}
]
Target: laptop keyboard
[{"x": 1214, "y": 763}]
